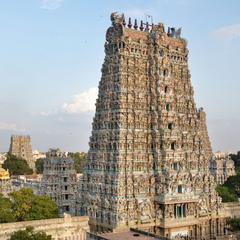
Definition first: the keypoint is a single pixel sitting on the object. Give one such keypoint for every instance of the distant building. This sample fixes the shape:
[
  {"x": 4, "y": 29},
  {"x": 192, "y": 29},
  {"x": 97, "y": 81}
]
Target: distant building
[
  {"x": 60, "y": 181},
  {"x": 222, "y": 167},
  {"x": 79, "y": 210},
  {"x": 21, "y": 146},
  {"x": 28, "y": 181},
  {"x": 5, "y": 181},
  {"x": 3, "y": 157},
  {"x": 38, "y": 155}
]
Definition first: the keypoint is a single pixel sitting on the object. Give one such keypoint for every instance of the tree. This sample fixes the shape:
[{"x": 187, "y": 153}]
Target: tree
[
  {"x": 233, "y": 184},
  {"x": 230, "y": 190},
  {"x": 39, "y": 165},
  {"x": 42, "y": 208},
  {"x": 23, "y": 205},
  {"x": 226, "y": 194},
  {"x": 234, "y": 224},
  {"x": 17, "y": 166},
  {"x": 29, "y": 234},
  {"x": 79, "y": 160},
  {"x": 27, "y": 206},
  {"x": 236, "y": 160},
  {"x": 6, "y": 214}
]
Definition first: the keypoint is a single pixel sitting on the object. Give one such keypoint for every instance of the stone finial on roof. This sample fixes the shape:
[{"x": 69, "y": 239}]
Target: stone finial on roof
[
  {"x": 135, "y": 24},
  {"x": 130, "y": 23},
  {"x": 147, "y": 27},
  {"x": 141, "y": 26},
  {"x": 124, "y": 21}
]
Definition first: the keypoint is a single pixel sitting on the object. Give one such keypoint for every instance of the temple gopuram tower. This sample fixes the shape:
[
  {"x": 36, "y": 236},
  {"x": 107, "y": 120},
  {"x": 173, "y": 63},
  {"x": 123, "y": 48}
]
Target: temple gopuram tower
[
  {"x": 21, "y": 146},
  {"x": 148, "y": 163},
  {"x": 60, "y": 181}
]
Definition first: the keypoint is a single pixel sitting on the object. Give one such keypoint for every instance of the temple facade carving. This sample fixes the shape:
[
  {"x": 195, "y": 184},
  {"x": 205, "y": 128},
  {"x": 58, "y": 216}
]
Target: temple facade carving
[
  {"x": 222, "y": 167},
  {"x": 148, "y": 162},
  {"x": 60, "y": 181}
]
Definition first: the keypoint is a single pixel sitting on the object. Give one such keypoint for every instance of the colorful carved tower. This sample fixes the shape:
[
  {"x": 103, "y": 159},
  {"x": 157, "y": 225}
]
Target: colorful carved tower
[
  {"x": 59, "y": 181},
  {"x": 148, "y": 163}
]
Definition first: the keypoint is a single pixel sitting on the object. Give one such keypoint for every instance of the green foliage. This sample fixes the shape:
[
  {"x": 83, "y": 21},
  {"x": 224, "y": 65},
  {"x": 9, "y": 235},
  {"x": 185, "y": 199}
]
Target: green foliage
[
  {"x": 230, "y": 190},
  {"x": 43, "y": 208},
  {"x": 237, "y": 170},
  {"x": 29, "y": 234},
  {"x": 23, "y": 205},
  {"x": 233, "y": 184},
  {"x": 236, "y": 159},
  {"x": 234, "y": 224},
  {"x": 79, "y": 160},
  {"x": 27, "y": 206},
  {"x": 39, "y": 165},
  {"x": 17, "y": 166},
  {"x": 226, "y": 194},
  {"x": 6, "y": 214}
]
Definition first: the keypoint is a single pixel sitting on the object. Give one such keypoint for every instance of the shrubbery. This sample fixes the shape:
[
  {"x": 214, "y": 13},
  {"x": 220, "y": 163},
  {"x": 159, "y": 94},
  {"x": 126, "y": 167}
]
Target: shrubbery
[
  {"x": 39, "y": 165},
  {"x": 79, "y": 161},
  {"x": 23, "y": 205},
  {"x": 230, "y": 190},
  {"x": 226, "y": 194},
  {"x": 29, "y": 234},
  {"x": 17, "y": 166},
  {"x": 234, "y": 224}
]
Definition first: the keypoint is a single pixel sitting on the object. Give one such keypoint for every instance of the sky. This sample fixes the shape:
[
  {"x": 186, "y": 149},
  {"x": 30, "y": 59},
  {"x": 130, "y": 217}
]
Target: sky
[{"x": 51, "y": 52}]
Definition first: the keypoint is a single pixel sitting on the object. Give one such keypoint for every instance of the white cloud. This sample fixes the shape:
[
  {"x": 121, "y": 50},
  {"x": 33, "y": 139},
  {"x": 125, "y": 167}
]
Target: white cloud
[
  {"x": 83, "y": 102},
  {"x": 48, "y": 113},
  {"x": 10, "y": 126},
  {"x": 228, "y": 32},
  {"x": 51, "y": 4}
]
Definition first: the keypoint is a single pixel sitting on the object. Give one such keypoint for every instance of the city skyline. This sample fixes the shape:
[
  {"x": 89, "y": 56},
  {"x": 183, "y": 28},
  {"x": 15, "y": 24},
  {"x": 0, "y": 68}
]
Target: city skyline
[{"x": 49, "y": 78}]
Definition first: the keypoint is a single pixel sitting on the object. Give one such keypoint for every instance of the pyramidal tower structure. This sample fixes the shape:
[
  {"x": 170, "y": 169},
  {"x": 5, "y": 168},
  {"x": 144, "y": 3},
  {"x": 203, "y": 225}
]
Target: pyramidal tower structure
[{"x": 148, "y": 162}]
